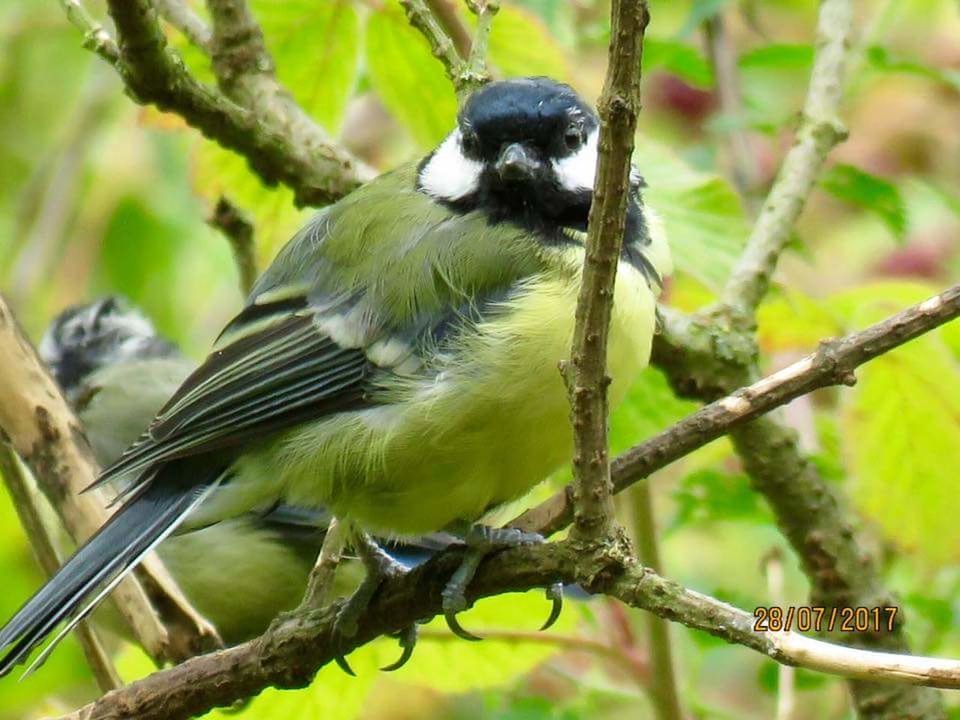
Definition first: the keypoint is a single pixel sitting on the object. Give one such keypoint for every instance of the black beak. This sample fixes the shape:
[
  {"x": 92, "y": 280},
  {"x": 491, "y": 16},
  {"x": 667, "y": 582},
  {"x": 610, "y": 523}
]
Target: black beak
[{"x": 516, "y": 163}]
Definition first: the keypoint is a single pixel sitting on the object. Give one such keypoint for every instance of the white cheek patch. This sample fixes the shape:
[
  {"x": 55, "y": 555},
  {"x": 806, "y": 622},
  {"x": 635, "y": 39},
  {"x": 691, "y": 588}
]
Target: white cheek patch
[
  {"x": 576, "y": 172},
  {"x": 449, "y": 174}
]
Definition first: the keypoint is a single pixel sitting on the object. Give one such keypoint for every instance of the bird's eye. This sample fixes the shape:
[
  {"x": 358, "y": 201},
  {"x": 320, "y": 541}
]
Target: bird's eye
[
  {"x": 470, "y": 143},
  {"x": 573, "y": 137}
]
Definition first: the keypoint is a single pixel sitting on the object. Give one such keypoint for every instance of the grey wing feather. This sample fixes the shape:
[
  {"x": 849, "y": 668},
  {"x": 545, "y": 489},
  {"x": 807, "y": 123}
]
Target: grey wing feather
[{"x": 265, "y": 381}]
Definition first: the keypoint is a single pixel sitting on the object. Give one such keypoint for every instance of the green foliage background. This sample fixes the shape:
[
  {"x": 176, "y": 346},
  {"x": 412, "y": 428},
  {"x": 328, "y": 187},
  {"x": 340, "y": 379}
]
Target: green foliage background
[{"x": 100, "y": 196}]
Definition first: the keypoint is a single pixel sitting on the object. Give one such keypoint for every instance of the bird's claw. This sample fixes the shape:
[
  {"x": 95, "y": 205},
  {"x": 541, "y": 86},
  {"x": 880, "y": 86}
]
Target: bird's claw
[
  {"x": 481, "y": 541},
  {"x": 408, "y": 641},
  {"x": 555, "y": 595},
  {"x": 380, "y": 567}
]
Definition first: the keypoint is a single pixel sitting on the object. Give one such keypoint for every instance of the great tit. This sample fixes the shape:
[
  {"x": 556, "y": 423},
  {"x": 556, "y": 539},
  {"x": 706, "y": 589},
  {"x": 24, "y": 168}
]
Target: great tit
[
  {"x": 117, "y": 372},
  {"x": 397, "y": 362}
]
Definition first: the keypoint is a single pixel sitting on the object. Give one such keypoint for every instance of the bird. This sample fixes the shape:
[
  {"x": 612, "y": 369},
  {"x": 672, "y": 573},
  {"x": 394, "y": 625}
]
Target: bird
[
  {"x": 397, "y": 363},
  {"x": 116, "y": 371}
]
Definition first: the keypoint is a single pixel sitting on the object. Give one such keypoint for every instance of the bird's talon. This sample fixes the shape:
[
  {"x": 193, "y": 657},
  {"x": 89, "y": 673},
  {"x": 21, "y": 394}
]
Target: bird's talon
[
  {"x": 555, "y": 594},
  {"x": 342, "y": 663},
  {"x": 457, "y": 629},
  {"x": 408, "y": 641}
]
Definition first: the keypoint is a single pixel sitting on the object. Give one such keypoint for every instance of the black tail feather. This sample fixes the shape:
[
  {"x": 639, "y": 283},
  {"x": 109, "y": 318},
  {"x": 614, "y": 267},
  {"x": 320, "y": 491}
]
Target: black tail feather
[{"x": 135, "y": 529}]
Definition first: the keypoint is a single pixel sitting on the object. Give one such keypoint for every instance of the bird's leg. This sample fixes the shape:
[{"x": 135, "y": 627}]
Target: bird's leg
[
  {"x": 379, "y": 567},
  {"x": 481, "y": 541}
]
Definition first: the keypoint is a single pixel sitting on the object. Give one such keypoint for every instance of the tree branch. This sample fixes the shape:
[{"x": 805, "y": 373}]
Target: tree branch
[
  {"x": 465, "y": 65},
  {"x": 290, "y": 654},
  {"x": 586, "y": 373},
  {"x": 820, "y": 130},
  {"x": 317, "y": 171},
  {"x": 181, "y": 16},
  {"x": 238, "y": 229},
  {"x": 38, "y": 424}
]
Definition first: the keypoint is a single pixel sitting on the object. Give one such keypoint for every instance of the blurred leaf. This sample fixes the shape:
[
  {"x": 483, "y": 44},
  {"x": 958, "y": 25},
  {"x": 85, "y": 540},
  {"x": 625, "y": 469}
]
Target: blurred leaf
[
  {"x": 649, "y": 407},
  {"x": 407, "y": 78},
  {"x": 902, "y": 429},
  {"x": 559, "y": 17},
  {"x": 768, "y": 678},
  {"x": 316, "y": 49},
  {"x": 868, "y": 192},
  {"x": 678, "y": 58},
  {"x": 448, "y": 664},
  {"x": 520, "y": 44},
  {"x": 778, "y": 57},
  {"x": 791, "y": 320},
  {"x": 710, "y": 495},
  {"x": 700, "y": 10},
  {"x": 880, "y": 59},
  {"x": 701, "y": 213}
]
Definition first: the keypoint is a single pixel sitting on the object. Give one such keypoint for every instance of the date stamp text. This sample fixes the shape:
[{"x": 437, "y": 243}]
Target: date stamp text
[{"x": 811, "y": 618}]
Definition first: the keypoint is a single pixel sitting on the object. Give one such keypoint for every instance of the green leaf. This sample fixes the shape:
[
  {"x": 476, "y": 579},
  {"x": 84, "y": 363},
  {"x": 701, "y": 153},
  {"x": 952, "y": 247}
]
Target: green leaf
[
  {"x": 902, "y": 433},
  {"x": 700, "y": 10},
  {"x": 316, "y": 50},
  {"x": 409, "y": 81},
  {"x": 521, "y": 44},
  {"x": 445, "y": 663},
  {"x": 649, "y": 407},
  {"x": 868, "y": 192},
  {"x": 792, "y": 320},
  {"x": 701, "y": 212},
  {"x": 680, "y": 59},
  {"x": 778, "y": 57},
  {"x": 879, "y": 59},
  {"x": 711, "y": 495}
]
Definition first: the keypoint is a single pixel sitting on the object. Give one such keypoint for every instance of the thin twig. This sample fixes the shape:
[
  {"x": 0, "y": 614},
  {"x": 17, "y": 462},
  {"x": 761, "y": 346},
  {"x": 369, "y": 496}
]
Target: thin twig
[
  {"x": 237, "y": 227},
  {"x": 446, "y": 13},
  {"x": 476, "y": 70},
  {"x": 465, "y": 65},
  {"x": 421, "y": 16},
  {"x": 26, "y": 501},
  {"x": 786, "y": 691},
  {"x": 181, "y": 16},
  {"x": 820, "y": 130},
  {"x": 726, "y": 83},
  {"x": 586, "y": 373},
  {"x": 664, "y": 692},
  {"x": 95, "y": 36},
  {"x": 317, "y": 172},
  {"x": 832, "y": 363}
]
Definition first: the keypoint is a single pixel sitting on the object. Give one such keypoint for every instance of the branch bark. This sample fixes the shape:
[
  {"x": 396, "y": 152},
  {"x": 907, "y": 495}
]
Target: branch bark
[
  {"x": 820, "y": 130},
  {"x": 586, "y": 373},
  {"x": 300, "y": 643},
  {"x": 318, "y": 171}
]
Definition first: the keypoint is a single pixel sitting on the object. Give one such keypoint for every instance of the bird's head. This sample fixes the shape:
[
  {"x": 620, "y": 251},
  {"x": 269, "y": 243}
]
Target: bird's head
[
  {"x": 524, "y": 149},
  {"x": 86, "y": 338}
]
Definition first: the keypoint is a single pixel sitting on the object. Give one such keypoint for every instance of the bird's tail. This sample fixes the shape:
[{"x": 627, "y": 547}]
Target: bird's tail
[{"x": 96, "y": 568}]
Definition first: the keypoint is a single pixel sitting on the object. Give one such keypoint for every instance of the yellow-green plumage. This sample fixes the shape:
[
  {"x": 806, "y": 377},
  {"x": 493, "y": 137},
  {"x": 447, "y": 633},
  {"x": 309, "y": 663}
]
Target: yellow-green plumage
[{"x": 476, "y": 426}]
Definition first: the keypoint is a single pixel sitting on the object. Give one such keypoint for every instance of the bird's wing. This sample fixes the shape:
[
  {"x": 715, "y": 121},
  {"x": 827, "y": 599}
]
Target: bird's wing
[
  {"x": 269, "y": 379},
  {"x": 328, "y": 323}
]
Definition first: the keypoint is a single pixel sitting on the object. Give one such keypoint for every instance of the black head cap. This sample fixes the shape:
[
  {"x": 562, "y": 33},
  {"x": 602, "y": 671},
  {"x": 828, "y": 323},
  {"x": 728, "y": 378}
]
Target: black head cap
[{"x": 536, "y": 110}]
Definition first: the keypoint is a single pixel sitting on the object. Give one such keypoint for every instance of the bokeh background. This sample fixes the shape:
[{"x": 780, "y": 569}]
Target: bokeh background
[{"x": 99, "y": 195}]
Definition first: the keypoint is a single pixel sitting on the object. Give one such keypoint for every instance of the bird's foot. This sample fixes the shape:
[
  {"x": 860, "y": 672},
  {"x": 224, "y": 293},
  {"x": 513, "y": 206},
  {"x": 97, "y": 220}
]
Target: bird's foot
[
  {"x": 380, "y": 567},
  {"x": 482, "y": 541}
]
